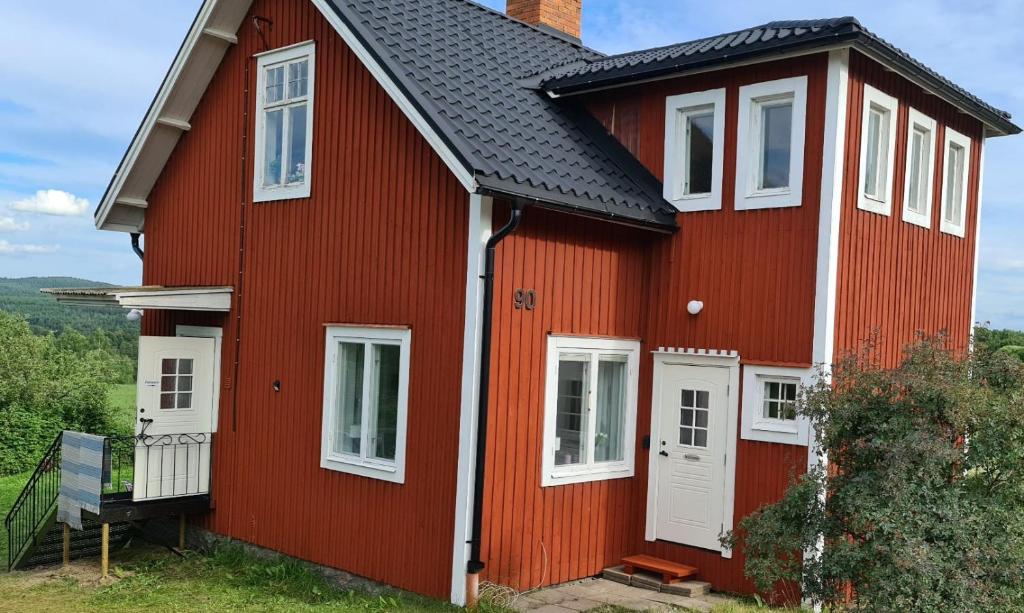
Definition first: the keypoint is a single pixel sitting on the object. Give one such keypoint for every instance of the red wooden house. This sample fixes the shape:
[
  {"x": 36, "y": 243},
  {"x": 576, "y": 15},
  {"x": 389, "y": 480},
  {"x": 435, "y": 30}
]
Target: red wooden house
[{"x": 484, "y": 300}]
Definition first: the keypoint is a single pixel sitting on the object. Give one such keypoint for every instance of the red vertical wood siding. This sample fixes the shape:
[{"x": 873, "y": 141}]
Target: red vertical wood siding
[
  {"x": 382, "y": 240},
  {"x": 755, "y": 272},
  {"x": 896, "y": 278}
]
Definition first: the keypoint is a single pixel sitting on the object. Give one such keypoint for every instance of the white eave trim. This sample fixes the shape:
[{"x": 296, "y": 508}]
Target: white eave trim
[
  {"x": 212, "y": 34},
  {"x": 212, "y": 299}
]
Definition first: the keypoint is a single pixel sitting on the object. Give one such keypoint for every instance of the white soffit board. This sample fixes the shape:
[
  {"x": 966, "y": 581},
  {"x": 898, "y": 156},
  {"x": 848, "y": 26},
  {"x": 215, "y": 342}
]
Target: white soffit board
[{"x": 212, "y": 33}]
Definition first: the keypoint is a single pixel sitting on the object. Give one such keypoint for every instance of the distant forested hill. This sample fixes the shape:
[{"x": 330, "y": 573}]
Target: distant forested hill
[{"x": 44, "y": 314}]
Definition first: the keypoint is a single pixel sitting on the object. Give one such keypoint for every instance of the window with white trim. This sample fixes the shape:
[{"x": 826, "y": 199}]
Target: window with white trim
[
  {"x": 917, "y": 191},
  {"x": 695, "y": 139},
  {"x": 366, "y": 383},
  {"x": 590, "y": 409},
  {"x": 957, "y": 148},
  {"x": 770, "y": 148},
  {"x": 877, "y": 151},
  {"x": 770, "y": 401},
  {"x": 284, "y": 123}
]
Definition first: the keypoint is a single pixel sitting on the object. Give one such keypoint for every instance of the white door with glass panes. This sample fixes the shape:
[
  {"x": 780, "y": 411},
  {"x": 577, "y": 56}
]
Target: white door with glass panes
[
  {"x": 692, "y": 406},
  {"x": 590, "y": 409},
  {"x": 174, "y": 417}
]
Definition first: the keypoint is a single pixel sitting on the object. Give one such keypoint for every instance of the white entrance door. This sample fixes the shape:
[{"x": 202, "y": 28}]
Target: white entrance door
[
  {"x": 692, "y": 408},
  {"x": 174, "y": 417}
]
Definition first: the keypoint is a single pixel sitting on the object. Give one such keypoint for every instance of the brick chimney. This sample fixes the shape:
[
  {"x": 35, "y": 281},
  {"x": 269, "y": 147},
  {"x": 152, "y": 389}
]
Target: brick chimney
[{"x": 563, "y": 15}]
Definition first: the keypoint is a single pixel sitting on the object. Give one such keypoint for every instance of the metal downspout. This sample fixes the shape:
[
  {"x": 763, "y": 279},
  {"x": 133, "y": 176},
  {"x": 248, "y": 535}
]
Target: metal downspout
[{"x": 475, "y": 564}]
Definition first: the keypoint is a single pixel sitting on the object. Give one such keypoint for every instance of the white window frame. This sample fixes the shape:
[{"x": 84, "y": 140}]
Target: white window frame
[
  {"x": 755, "y": 426},
  {"x": 874, "y": 98},
  {"x": 551, "y": 474},
  {"x": 953, "y": 137},
  {"x": 916, "y": 118},
  {"x": 677, "y": 110},
  {"x": 393, "y": 471},
  {"x": 269, "y": 59},
  {"x": 748, "y": 152}
]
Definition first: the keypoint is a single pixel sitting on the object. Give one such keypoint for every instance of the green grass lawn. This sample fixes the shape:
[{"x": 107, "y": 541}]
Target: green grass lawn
[
  {"x": 10, "y": 487},
  {"x": 122, "y": 401}
]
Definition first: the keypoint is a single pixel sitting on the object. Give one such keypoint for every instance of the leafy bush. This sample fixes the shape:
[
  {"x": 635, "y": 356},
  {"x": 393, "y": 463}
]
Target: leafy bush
[
  {"x": 921, "y": 507},
  {"x": 45, "y": 387}
]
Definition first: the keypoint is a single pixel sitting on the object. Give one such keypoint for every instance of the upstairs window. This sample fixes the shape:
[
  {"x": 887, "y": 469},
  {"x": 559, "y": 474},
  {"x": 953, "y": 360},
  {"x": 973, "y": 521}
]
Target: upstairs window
[
  {"x": 877, "y": 151},
  {"x": 770, "y": 154},
  {"x": 366, "y": 384},
  {"x": 695, "y": 137},
  {"x": 917, "y": 195},
  {"x": 954, "y": 183},
  {"x": 284, "y": 123},
  {"x": 590, "y": 409}
]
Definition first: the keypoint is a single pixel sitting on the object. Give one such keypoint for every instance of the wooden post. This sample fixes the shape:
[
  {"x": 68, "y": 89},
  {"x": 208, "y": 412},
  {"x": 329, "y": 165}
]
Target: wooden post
[
  {"x": 67, "y": 545},
  {"x": 181, "y": 532},
  {"x": 105, "y": 551}
]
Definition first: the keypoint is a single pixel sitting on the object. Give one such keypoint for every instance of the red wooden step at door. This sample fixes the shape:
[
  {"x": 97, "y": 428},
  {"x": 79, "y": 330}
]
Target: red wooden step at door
[{"x": 670, "y": 572}]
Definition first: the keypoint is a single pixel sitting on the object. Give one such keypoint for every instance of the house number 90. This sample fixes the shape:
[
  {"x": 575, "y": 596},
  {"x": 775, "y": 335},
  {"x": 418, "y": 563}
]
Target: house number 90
[{"x": 524, "y": 299}]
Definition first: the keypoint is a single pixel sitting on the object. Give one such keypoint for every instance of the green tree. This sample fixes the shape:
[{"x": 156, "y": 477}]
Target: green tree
[
  {"x": 921, "y": 507},
  {"x": 46, "y": 386}
]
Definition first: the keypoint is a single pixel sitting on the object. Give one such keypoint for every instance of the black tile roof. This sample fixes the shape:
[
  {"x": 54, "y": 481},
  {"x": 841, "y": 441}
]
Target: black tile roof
[
  {"x": 760, "y": 41},
  {"x": 466, "y": 67}
]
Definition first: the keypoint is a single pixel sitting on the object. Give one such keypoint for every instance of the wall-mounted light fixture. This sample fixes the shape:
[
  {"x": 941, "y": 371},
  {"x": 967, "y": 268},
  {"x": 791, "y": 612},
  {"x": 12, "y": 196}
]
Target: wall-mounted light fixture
[
  {"x": 694, "y": 306},
  {"x": 134, "y": 315}
]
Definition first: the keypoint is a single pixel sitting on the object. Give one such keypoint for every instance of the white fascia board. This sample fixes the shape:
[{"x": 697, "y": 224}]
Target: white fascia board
[{"x": 137, "y": 149}]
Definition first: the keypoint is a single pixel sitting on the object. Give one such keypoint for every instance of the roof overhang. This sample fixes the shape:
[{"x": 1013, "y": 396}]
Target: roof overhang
[
  {"x": 123, "y": 206},
  {"x": 214, "y": 299},
  {"x": 995, "y": 123}
]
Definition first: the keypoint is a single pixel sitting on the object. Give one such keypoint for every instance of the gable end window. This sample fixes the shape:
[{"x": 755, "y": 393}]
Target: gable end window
[
  {"x": 284, "y": 123},
  {"x": 877, "y": 151},
  {"x": 770, "y": 400},
  {"x": 589, "y": 409},
  {"x": 366, "y": 392},
  {"x": 770, "y": 147},
  {"x": 694, "y": 139},
  {"x": 957, "y": 152},
  {"x": 920, "y": 168}
]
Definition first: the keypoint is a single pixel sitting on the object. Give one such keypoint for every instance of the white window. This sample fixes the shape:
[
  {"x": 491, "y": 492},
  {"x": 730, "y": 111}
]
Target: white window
[
  {"x": 957, "y": 149},
  {"x": 366, "y": 386},
  {"x": 695, "y": 139},
  {"x": 770, "y": 146},
  {"x": 770, "y": 397},
  {"x": 284, "y": 123},
  {"x": 589, "y": 410},
  {"x": 877, "y": 151},
  {"x": 917, "y": 194}
]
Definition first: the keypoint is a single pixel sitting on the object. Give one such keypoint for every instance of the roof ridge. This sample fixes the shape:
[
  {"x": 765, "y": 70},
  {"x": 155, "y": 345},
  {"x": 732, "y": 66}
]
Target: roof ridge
[{"x": 777, "y": 24}]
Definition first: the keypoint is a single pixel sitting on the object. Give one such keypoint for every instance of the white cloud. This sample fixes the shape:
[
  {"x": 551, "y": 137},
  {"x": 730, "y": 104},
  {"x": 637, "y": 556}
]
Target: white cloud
[
  {"x": 52, "y": 202},
  {"x": 7, "y": 248},
  {"x": 9, "y": 224}
]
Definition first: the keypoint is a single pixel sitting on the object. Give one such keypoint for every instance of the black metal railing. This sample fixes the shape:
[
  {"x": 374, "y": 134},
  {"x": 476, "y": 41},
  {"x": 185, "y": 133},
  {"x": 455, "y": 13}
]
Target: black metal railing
[
  {"x": 174, "y": 465},
  {"x": 34, "y": 505}
]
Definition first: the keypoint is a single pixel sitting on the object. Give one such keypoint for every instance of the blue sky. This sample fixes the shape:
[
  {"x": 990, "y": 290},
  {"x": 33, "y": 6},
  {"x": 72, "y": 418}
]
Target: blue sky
[{"x": 86, "y": 72}]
